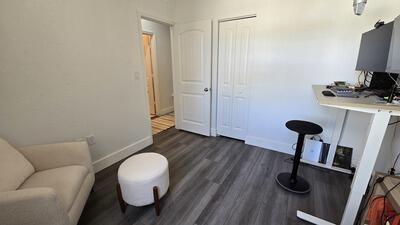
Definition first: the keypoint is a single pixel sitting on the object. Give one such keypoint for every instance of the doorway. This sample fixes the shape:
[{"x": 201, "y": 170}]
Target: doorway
[{"x": 156, "y": 42}]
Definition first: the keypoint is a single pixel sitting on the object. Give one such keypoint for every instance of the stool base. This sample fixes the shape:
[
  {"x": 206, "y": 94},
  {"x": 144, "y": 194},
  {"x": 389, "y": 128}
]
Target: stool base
[{"x": 300, "y": 187}]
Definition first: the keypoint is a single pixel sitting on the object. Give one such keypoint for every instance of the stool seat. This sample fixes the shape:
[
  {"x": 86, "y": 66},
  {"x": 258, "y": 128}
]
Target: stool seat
[
  {"x": 304, "y": 127},
  {"x": 139, "y": 174},
  {"x": 142, "y": 167}
]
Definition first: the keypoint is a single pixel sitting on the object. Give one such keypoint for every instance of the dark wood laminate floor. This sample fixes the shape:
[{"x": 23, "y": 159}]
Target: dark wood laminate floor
[{"x": 220, "y": 181}]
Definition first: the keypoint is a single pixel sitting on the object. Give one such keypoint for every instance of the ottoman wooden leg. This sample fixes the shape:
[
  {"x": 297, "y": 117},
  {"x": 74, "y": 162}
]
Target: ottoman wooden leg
[
  {"x": 156, "y": 200},
  {"x": 122, "y": 203}
]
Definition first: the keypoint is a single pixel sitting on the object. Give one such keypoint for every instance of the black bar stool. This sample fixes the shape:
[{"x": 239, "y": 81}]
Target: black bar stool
[{"x": 290, "y": 181}]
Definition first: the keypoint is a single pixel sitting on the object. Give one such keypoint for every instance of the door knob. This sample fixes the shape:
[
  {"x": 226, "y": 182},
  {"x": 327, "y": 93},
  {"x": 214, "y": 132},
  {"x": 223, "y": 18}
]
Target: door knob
[{"x": 206, "y": 89}]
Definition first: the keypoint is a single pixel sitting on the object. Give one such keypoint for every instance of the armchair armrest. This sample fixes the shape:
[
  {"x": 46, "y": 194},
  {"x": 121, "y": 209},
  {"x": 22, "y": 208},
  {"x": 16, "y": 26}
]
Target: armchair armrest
[
  {"x": 51, "y": 156},
  {"x": 32, "y": 207}
]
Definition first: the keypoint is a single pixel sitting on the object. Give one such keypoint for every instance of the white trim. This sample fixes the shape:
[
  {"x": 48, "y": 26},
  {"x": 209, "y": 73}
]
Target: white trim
[
  {"x": 287, "y": 149},
  {"x": 254, "y": 15},
  {"x": 147, "y": 32},
  {"x": 269, "y": 144},
  {"x": 165, "y": 110},
  {"x": 214, "y": 76},
  {"x": 149, "y": 16},
  {"x": 213, "y": 132},
  {"x": 334, "y": 168},
  {"x": 312, "y": 219},
  {"x": 116, "y": 156},
  {"x": 174, "y": 78},
  {"x": 143, "y": 72}
]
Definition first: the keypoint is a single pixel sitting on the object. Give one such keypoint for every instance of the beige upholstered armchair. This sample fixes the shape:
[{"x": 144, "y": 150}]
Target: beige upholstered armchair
[{"x": 44, "y": 184}]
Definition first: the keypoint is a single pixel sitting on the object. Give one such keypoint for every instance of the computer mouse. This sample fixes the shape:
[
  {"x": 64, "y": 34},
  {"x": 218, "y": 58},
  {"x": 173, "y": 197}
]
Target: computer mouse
[{"x": 328, "y": 93}]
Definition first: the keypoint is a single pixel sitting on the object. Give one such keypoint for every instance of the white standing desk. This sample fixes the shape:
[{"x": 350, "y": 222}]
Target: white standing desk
[{"x": 381, "y": 113}]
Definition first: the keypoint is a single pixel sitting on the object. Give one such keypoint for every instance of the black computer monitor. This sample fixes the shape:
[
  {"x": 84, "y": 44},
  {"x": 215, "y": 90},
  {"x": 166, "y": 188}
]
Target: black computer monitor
[
  {"x": 380, "y": 49},
  {"x": 374, "y": 49}
]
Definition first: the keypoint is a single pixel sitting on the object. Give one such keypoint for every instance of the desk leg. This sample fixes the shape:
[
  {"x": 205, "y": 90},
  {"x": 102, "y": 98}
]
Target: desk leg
[
  {"x": 379, "y": 123},
  {"x": 340, "y": 117}
]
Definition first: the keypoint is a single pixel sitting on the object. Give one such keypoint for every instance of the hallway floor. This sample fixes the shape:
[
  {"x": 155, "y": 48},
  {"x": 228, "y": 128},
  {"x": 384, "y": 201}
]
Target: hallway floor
[{"x": 162, "y": 123}]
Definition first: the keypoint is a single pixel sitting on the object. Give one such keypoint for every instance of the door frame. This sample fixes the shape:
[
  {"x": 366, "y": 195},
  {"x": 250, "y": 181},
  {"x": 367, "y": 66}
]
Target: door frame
[
  {"x": 139, "y": 16},
  {"x": 154, "y": 63}
]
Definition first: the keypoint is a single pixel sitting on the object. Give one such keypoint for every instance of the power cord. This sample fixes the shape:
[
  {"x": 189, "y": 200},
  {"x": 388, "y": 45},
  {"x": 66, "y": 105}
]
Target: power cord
[
  {"x": 384, "y": 201},
  {"x": 377, "y": 181},
  {"x": 392, "y": 170},
  {"x": 319, "y": 137},
  {"x": 391, "y": 217},
  {"x": 290, "y": 159},
  {"x": 393, "y": 123},
  {"x": 312, "y": 138},
  {"x": 395, "y": 81}
]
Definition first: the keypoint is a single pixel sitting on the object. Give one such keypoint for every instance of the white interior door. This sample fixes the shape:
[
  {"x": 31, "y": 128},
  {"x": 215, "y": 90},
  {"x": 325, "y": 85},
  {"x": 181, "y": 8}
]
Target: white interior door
[
  {"x": 236, "y": 43},
  {"x": 192, "y": 76}
]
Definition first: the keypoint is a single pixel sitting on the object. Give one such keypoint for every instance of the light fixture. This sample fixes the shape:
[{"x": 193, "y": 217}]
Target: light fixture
[{"x": 359, "y": 6}]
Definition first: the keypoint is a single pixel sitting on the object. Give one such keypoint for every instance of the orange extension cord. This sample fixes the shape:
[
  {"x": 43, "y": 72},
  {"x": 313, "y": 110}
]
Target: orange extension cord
[{"x": 379, "y": 206}]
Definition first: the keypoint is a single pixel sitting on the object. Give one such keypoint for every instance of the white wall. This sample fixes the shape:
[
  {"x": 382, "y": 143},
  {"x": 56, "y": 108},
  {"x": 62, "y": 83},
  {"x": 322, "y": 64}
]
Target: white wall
[
  {"x": 67, "y": 70},
  {"x": 163, "y": 10},
  {"x": 395, "y": 147},
  {"x": 163, "y": 76},
  {"x": 299, "y": 43}
]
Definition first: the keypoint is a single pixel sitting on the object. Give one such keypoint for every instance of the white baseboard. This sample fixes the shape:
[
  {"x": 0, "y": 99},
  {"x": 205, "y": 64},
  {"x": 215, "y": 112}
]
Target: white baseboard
[
  {"x": 114, "y": 157},
  {"x": 312, "y": 219},
  {"x": 269, "y": 144},
  {"x": 165, "y": 111},
  {"x": 213, "y": 132}
]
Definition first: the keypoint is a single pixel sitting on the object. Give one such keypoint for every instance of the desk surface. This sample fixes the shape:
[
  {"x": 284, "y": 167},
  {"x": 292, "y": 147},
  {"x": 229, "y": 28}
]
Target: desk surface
[{"x": 369, "y": 104}]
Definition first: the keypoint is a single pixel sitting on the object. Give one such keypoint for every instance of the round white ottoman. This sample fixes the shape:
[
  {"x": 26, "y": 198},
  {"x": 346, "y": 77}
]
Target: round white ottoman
[{"x": 143, "y": 179}]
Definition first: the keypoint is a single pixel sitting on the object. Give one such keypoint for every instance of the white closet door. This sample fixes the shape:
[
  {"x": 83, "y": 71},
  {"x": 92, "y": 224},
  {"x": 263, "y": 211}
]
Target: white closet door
[
  {"x": 226, "y": 62},
  {"x": 236, "y": 40}
]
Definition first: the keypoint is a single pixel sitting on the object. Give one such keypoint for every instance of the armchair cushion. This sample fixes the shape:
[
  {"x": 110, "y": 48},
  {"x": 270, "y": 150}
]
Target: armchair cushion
[
  {"x": 36, "y": 206},
  {"x": 14, "y": 167},
  {"x": 51, "y": 156},
  {"x": 66, "y": 182}
]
